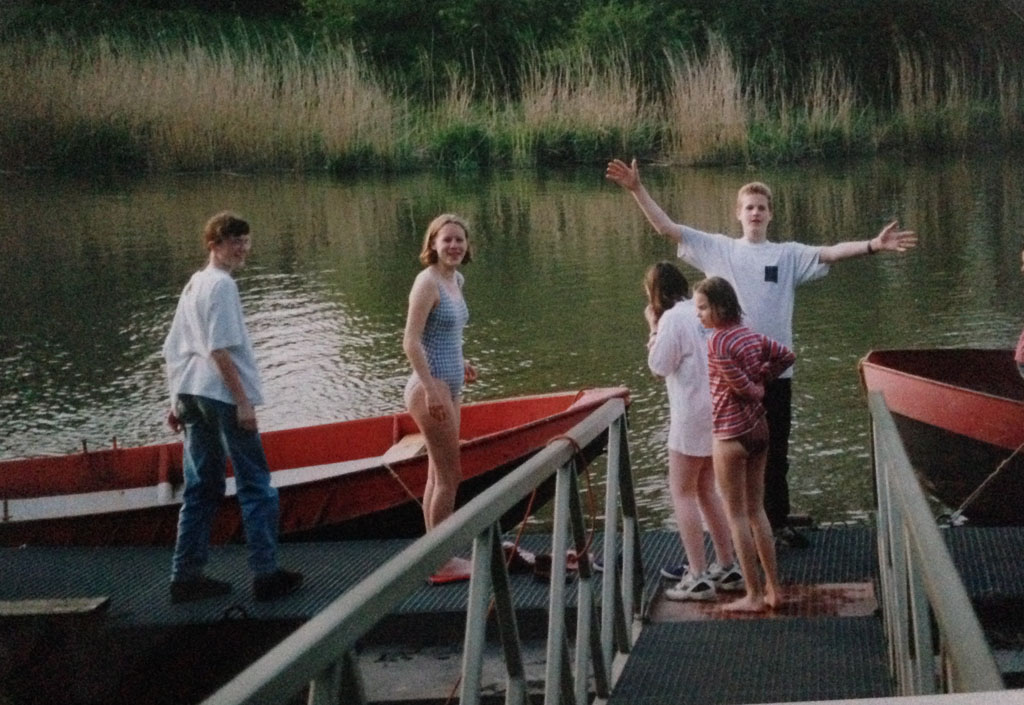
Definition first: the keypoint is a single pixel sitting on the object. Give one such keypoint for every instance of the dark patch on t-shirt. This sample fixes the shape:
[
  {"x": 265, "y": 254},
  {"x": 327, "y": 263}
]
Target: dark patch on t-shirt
[{"x": 771, "y": 273}]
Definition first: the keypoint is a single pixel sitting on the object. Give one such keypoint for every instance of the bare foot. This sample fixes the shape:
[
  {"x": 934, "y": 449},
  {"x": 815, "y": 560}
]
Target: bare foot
[
  {"x": 746, "y": 604},
  {"x": 774, "y": 597}
]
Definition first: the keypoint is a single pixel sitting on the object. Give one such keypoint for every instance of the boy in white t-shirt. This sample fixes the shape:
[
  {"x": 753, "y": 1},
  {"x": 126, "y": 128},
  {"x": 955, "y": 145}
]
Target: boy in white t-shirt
[
  {"x": 215, "y": 385},
  {"x": 765, "y": 275}
]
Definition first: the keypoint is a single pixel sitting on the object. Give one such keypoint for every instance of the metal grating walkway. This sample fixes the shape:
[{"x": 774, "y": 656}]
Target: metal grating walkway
[
  {"x": 990, "y": 560},
  {"x": 135, "y": 578},
  {"x": 691, "y": 653},
  {"x": 802, "y": 653},
  {"x": 756, "y": 661}
]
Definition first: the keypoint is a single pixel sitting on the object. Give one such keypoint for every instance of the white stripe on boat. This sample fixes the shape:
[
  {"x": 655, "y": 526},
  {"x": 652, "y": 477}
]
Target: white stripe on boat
[{"x": 139, "y": 498}]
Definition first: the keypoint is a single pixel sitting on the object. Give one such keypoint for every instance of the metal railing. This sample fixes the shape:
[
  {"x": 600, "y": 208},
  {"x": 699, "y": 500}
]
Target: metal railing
[
  {"x": 920, "y": 584},
  {"x": 320, "y": 654}
]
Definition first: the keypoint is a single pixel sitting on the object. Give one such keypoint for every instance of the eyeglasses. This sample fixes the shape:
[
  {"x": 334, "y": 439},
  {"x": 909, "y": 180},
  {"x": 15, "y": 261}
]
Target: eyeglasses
[{"x": 238, "y": 240}]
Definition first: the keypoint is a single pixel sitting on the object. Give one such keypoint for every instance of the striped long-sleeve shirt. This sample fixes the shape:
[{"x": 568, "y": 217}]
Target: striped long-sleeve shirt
[{"x": 740, "y": 361}]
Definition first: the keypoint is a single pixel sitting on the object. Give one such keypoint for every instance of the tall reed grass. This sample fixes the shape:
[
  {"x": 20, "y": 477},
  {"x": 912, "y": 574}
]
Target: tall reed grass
[
  {"x": 818, "y": 118},
  {"x": 191, "y": 107},
  {"x": 707, "y": 107},
  {"x": 575, "y": 106},
  {"x": 253, "y": 105}
]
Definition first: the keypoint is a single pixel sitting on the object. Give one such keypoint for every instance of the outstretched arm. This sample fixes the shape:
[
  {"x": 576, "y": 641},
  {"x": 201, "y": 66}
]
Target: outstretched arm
[
  {"x": 891, "y": 238},
  {"x": 628, "y": 177}
]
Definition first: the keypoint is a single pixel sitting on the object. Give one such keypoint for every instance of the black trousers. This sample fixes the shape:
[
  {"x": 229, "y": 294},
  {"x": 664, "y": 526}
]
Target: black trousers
[{"x": 778, "y": 402}]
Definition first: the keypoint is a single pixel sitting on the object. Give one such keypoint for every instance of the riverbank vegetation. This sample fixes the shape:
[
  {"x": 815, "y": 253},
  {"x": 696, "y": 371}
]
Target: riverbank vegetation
[{"x": 348, "y": 85}]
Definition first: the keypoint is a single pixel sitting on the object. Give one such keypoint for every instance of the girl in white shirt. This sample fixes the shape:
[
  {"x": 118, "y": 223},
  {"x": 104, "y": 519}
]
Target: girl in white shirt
[{"x": 677, "y": 351}]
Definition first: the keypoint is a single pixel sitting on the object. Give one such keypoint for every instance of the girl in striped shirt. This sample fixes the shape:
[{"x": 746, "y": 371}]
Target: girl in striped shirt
[{"x": 740, "y": 362}]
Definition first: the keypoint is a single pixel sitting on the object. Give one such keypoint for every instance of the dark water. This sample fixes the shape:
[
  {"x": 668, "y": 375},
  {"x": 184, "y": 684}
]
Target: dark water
[{"x": 90, "y": 273}]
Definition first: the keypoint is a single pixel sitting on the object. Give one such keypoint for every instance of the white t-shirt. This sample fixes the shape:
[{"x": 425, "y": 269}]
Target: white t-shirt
[
  {"x": 765, "y": 276},
  {"x": 209, "y": 317},
  {"x": 679, "y": 353}
]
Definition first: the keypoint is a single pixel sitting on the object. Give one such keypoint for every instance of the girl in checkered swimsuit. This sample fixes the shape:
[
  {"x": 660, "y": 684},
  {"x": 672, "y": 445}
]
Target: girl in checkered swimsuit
[{"x": 433, "y": 344}]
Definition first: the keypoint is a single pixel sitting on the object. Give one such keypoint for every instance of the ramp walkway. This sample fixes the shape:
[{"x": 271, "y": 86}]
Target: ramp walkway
[{"x": 826, "y": 642}]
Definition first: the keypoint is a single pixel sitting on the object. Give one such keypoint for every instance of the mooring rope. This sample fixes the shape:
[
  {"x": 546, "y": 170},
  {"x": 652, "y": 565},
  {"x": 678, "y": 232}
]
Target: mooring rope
[
  {"x": 974, "y": 495},
  {"x": 401, "y": 483}
]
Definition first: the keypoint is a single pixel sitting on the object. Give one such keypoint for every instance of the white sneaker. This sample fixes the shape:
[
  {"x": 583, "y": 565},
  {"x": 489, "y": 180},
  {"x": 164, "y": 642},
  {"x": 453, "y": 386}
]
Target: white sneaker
[
  {"x": 727, "y": 579},
  {"x": 690, "y": 588}
]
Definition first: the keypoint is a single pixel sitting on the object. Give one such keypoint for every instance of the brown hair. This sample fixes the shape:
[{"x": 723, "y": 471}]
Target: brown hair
[
  {"x": 222, "y": 226},
  {"x": 757, "y": 188},
  {"x": 722, "y": 301},
  {"x": 665, "y": 286},
  {"x": 428, "y": 255}
]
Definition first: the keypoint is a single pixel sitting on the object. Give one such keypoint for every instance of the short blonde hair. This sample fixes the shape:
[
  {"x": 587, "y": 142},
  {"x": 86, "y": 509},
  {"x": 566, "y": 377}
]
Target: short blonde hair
[
  {"x": 755, "y": 188},
  {"x": 428, "y": 255}
]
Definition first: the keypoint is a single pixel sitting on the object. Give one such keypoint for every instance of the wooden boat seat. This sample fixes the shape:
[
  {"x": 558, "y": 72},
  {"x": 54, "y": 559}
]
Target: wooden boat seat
[
  {"x": 52, "y": 607},
  {"x": 408, "y": 446}
]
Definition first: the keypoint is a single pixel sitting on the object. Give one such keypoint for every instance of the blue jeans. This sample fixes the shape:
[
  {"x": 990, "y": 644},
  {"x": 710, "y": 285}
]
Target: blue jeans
[{"x": 211, "y": 435}]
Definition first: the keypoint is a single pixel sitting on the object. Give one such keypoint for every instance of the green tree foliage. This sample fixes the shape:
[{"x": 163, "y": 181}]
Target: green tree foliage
[
  {"x": 863, "y": 36},
  {"x": 640, "y": 30},
  {"x": 418, "y": 40},
  {"x": 488, "y": 40}
]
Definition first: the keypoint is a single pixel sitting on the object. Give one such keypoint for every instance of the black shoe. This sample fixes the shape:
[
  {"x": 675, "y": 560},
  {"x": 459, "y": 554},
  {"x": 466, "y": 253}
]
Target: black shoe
[
  {"x": 198, "y": 589},
  {"x": 788, "y": 537},
  {"x": 277, "y": 584}
]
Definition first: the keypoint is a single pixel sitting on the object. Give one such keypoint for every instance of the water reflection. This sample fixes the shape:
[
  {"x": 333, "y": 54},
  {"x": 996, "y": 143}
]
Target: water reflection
[{"x": 91, "y": 273}]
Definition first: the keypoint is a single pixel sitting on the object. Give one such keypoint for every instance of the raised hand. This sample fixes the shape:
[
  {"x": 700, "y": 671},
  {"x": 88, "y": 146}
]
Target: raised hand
[
  {"x": 894, "y": 239},
  {"x": 625, "y": 175}
]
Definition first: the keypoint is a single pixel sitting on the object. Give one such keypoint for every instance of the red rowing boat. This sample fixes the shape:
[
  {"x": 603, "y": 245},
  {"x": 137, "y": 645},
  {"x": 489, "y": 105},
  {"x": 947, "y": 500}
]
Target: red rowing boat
[
  {"x": 336, "y": 480},
  {"x": 960, "y": 415}
]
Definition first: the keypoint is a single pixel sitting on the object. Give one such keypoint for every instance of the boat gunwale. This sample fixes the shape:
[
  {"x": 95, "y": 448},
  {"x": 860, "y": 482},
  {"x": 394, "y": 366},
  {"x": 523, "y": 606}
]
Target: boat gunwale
[
  {"x": 163, "y": 494},
  {"x": 866, "y": 361},
  {"x": 1002, "y": 435}
]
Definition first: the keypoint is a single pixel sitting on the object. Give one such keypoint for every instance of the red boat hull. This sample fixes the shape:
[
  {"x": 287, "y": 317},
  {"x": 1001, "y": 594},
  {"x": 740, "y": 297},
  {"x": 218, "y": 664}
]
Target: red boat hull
[
  {"x": 960, "y": 414},
  {"x": 333, "y": 479}
]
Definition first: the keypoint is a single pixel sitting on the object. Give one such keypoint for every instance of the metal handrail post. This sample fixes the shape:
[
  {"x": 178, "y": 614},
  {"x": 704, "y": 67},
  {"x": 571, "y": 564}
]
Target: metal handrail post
[
  {"x": 477, "y": 604},
  {"x": 585, "y": 653},
  {"x": 508, "y": 629},
  {"x": 632, "y": 568},
  {"x": 609, "y": 582},
  {"x": 921, "y": 564},
  {"x": 923, "y": 665},
  {"x": 556, "y": 594},
  {"x": 901, "y": 606},
  {"x": 339, "y": 682},
  {"x": 884, "y": 556},
  {"x": 325, "y": 689},
  {"x": 895, "y": 574}
]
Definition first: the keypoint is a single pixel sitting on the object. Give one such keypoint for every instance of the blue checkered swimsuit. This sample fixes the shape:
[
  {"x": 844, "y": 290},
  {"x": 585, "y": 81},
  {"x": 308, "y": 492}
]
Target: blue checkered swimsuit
[{"x": 442, "y": 339}]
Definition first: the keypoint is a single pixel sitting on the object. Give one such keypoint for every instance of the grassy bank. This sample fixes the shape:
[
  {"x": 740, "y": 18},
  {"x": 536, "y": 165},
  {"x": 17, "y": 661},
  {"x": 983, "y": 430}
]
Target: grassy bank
[{"x": 115, "y": 104}]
